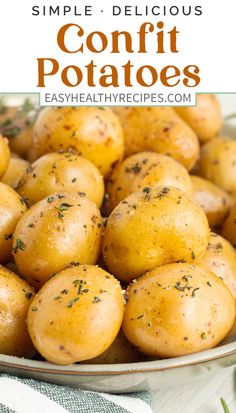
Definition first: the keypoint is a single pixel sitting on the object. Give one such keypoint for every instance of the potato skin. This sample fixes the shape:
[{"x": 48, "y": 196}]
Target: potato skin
[
  {"x": 12, "y": 207},
  {"x": 229, "y": 227},
  {"x": 59, "y": 172},
  {"x": 158, "y": 129},
  {"x": 16, "y": 296},
  {"x": 16, "y": 169},
  {"x": 145, "y": 169},
  {"x": 4, "y": 155},
  {"x": 76, "y": 315},
  {"x": 218, "y": 163},
  {"x": 153, "y": 227},
  {"x": 220, "y": 258},
  {"x": 94, "y": 133},
  {"x": 59, "y": 231},
  {"x": 120, "y": 351},
  {"x": 205, "y": 118},
  {"x": 215, "y": 202},
  {"x": 178, "y": 309}
]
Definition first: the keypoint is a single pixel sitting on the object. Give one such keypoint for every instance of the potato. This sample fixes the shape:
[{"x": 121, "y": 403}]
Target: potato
[
  {"x": 12, "y": 207},
  {"x": 218, "y": 163},
  {"x": 15, "y": 298},
  {"x": 229, "y": 227},
  {"x": 178, "y": 309},
  {"x": 4, "y": 155},
  {"x": 215, "y": 202},
  {"x": 152, "y": 227},
  {"x": 95, "y": 133},
  {"x": 58, "y": 172},
  {"x": 220, "y": 258},
  {"x": 16, "y": 169},
  {"x": 120, "y": 351},
  {"x": 76, "y": 315},
  {"x": 17, "y": 126},
  {"x": 145, "y": 169},
  {"x": 158, "y": 129},
  {"x": 62, "y": 230},
  {"x": 205, "y": 118}
]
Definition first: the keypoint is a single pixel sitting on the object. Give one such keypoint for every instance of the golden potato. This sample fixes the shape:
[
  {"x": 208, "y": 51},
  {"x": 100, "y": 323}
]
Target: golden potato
[
  {"x": 16, "y": 169},
  {"x": 58, "y": 172},
  {"x": 178, "y": 309},
  {"x": 16, "y": 124},
  {"x": 205, "y": 118},
  {"x": 4, "y": 155},
  {"x": 12, "y": 207},
  {"x": 145, "y": 169},
  {"x": 220, "y": 258},
  {"x": 229, "y": 227},
  {"x": 158, "y": 129},
  {"x": 215, "y": 202},
  {"x": 76, "y": 315},
  {"x": 15, "y": 298},
  {"x": 62, "y": 230},
  {"x": 95, "y": 133},
  {"x": 120, "y": 351},
  {"x": 152, "y": 227},
  {"x": 218, "y": 163}
]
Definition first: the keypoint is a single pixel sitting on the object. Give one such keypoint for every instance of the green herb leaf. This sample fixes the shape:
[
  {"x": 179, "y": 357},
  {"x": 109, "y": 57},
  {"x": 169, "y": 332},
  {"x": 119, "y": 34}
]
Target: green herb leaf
[
  {"x": 96, "y": 300},
  {"x": 72, "y": 302},
  {"x": 19, "y": 245},
  {"x": 224, "y": 405}
]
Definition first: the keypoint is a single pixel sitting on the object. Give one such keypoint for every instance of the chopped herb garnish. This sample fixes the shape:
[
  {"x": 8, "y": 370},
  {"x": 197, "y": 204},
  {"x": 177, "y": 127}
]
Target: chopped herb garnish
[
  {"x": 140, "y": 316},
  {"x": 51, "y": 199},
  {"x": 57, "y": 298},
  {"x": 208, "y": 283},
  {"x": 193, "y": 255},
  {"x": 34, "y": 309},
  {"x": 203, "y": 336},
  {"x": 28, "y": 295},
  {"x": 19, "y": 246},
  {"x": 72, "y": 302},
  {"x": 65, "y": 291},
  {"x": 193, "y": 292},
  {"x": 96, "y": 300}
]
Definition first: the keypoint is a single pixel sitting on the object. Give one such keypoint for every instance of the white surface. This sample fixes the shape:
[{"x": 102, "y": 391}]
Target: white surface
[{"x": 201, "y": 397}]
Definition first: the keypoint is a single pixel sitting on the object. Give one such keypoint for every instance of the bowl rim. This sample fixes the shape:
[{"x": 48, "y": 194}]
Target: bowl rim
[{"x": 206, "y": 356}]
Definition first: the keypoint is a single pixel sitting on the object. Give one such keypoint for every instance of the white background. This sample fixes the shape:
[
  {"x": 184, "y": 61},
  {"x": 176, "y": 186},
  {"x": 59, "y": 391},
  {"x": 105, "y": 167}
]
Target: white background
[{"x": 207, "y": 41}]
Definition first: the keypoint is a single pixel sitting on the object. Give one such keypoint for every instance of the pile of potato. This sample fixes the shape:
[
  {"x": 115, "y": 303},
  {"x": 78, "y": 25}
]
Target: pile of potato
[{"x": 117, "y": 232}]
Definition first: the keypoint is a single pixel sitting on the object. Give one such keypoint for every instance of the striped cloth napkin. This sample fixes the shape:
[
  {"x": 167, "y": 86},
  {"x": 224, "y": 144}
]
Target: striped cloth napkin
[{"x": 30, "y": 396}]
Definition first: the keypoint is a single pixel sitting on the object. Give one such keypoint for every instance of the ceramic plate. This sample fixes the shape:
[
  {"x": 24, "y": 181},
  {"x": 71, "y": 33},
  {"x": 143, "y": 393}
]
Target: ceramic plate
[{"x": 149, "y": 375}]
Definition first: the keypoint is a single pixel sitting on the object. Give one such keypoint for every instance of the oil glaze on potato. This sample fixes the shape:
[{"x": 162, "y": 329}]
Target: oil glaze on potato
[
  {"x": 4, "y": 155},
  {"x": 15, "y": 298},
  {"x": 12, "y": 207},
  {"x": 59, "y": 172},
  {"x": 142, "y": 170},
  {"x": 76, "y": 315},
  {"x": 215, "y": 202},
  {"x": 59, "y": 231},
  {"x": 16, "y": 169},
  {"x": 158, "y": 129},
  {"x": 220, "y": 258},
  {"x": 204, "y": 118},
  {"x": 152, "y": 227},
  {"x": 229, "y": 227},
  {"x": 178, "y": 309},
  {"x": 218, "y": 163},
  {"x": 94, "y": 133}
]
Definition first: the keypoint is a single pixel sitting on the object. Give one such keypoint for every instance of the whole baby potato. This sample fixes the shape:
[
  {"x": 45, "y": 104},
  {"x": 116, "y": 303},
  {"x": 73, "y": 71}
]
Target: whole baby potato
[
  {"x": 59, "y": 231},
  {"x": 152, "y": 227},
  {"x": 229, "y": 227},
  {"x": 158, "y": 129},
  {"x": 12, "y": 207},
  {"x": 4, "y": 155},
  {"x": 220, "y": 258},
  {"x": 178, "y": 309},
  {"x": 120, "y": 351},
  {"x": 58, "y": 172},
  {"x": 15, "y": 298},
  {"x": 145, "y": 169},
  {"x": 218, "y": 163},
  {"x": 76, "y": 315},
  {"x": 205, "y": 118},
  {"x": 95, "y": 133},
  {"x": 215, "y": 202},
  {"x": 16, "y": 169}
]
